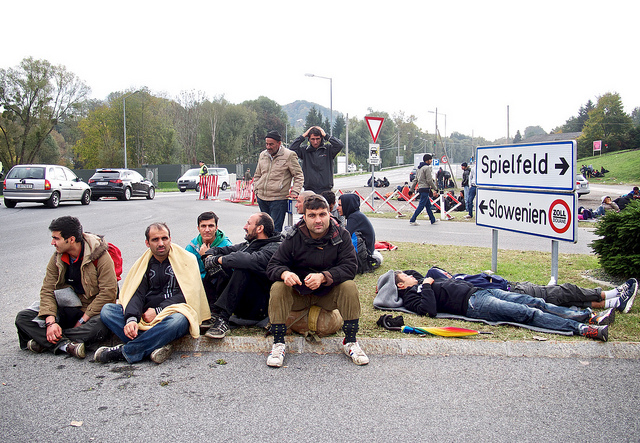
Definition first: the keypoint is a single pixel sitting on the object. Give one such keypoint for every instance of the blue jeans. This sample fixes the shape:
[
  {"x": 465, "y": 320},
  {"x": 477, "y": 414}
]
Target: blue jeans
[
  {"x": 499, "y": 305},
  {"x": 171, "y": 328},
  {"x": 469, "y": 196},
  {"x": 276, "y": 209},
  {"x": 424, "y": 204}
]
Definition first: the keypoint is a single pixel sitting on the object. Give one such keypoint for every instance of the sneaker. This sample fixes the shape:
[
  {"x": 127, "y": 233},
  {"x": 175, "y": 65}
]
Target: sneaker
[
  {"x": 205, "y": 325},
  {"x": 106, "y": 354},
  {"x": 596, "y": 332},
  {"x": 627, "y": 293},
  {"x": 604, "y": 318},
  {"x": 414, "y": 223},
  {"x": 276, "y": 356},
  {"x": 218, "y": 328},
  {"x": 34, "y": 346},
  {"x": 435, "y": 221},
  {"x": 354, "y": 351},
  {"x": 161, "y": 354},
  {"x": 468, "y": 216},
  {"x": 76, "y": 349}
]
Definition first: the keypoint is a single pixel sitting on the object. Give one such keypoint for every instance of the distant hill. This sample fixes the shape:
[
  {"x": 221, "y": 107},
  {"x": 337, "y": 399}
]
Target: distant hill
[{"x": 299, "y": 110}]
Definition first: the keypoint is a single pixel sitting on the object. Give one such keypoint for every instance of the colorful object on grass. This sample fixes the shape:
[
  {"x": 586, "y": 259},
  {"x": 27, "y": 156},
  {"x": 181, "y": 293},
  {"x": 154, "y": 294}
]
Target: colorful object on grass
[{"x": 448, "y": 331}]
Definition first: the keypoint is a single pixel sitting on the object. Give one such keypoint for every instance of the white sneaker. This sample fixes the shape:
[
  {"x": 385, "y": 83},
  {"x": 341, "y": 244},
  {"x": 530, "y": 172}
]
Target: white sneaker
[
  {"x": 467, "y": 216},
  {"x": 414, "y": 223},
  {"x": 276, "y": 356},
  {"x": 356, "y": 353}
]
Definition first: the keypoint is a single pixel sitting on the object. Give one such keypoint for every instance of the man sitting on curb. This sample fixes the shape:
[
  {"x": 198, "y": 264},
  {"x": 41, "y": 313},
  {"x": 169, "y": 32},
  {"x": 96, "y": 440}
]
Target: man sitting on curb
[
  {"x": 209, "y": 236},
  {"x": 162, "y": 299},
  {"x": 242, "y": 286},
  {"x": 459, "y": 297},
  {"x": 315, "y": 265},
  {"x": 82, "y": 268}
]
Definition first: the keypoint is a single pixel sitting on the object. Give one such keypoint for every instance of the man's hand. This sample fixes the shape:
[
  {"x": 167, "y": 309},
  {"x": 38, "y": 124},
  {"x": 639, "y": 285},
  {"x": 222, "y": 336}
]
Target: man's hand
[
  {"x": 204, "y": 248},
  {"x": 85, "y": 318},
  {"x": 324, "y": 134},
  {"x": 428, "y": 280},
  {"x": 290, "y": 279},
  {"x": 54, "y": 333},
  {"x": 131, "y": 330},
  {"x": 149, "y": 315},
  {"x": 314, "y": 281}
]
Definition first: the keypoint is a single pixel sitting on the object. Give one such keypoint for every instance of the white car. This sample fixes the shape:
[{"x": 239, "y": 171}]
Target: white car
[
  {"x": 191, "y": 179},
  {"x": 48, "y": 184},
  {"x": 582, "y": 185}
]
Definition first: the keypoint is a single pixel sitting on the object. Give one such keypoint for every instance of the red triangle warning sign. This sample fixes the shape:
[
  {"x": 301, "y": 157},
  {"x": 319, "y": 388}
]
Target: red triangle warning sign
[{"x": 374, "y": 124}]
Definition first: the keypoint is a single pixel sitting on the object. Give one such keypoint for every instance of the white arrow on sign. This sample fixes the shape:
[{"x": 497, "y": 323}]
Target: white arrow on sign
[{"x": 544, "y": 166}]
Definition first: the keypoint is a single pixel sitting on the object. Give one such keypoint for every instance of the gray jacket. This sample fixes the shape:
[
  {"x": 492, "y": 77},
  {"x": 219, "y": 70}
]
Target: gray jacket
[{"x": 423, "y": 178}]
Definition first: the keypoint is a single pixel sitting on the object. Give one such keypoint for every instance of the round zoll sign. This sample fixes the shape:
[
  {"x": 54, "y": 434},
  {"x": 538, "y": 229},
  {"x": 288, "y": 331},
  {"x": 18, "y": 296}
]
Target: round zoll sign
[
  {"x": 559, "y": 216},
  {"x": 444, "y": 159}
]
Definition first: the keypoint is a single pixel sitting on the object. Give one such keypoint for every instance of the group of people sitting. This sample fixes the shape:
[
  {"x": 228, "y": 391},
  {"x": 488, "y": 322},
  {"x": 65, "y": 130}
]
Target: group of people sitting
[
  {"x": 609, "y": 205},
  {"x": 590, "y": 172},
  {"x": 171, "y": 291}
]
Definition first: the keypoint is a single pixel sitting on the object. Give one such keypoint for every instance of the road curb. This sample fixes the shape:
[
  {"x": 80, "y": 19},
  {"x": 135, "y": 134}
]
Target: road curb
[{"x": 421, "y": 346}]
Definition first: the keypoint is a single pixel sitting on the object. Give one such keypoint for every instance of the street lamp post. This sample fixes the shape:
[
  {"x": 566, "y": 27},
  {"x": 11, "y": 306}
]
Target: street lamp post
[
  {"x": 445, "y": 127},
  {"x": 330, "y": 97},
  {"x": 124, "y": 120}
]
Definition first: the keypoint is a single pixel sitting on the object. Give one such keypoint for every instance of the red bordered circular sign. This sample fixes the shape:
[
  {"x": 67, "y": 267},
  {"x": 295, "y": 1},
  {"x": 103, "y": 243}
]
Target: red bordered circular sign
[{"x": 560, "y": 216}]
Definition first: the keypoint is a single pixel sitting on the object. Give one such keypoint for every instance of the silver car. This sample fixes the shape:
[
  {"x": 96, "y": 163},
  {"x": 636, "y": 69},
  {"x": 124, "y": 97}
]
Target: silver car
[
  {"x": 48, "y": 184},
  {"x": 582, "y": 185}
]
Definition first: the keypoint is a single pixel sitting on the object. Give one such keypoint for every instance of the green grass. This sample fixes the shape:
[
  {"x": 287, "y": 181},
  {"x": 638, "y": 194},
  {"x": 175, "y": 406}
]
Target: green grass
[
  {"x": 513, "y": 265},
  {"x": 623, "y": 166},
  {"x": 167, "y": 187}
]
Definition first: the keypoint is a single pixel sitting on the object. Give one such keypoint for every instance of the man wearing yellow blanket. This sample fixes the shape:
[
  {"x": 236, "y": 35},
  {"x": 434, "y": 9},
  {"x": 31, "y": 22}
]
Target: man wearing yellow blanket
[{"x": 162, "y": 299}]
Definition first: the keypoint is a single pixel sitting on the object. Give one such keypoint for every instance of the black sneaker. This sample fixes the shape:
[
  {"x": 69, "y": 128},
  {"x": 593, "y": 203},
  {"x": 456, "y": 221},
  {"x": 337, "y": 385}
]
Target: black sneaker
[
  {"x": 107, "y": 354},
  {"x": 604, "y": 318},
  {"x": 627, "y": 293},
  {"x": 596, "y": 332},
  {"x": 219, "y": 328}
]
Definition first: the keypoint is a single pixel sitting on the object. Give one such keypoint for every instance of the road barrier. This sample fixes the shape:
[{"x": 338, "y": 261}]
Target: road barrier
[{"x": 208, "y": 187}]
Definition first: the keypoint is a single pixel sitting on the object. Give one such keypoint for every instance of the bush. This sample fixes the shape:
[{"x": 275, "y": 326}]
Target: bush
[{"x": 618, "y": 247}]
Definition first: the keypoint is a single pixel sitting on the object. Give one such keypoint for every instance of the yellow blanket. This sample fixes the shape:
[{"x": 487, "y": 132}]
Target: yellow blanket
[{"x": 185, "y": 267}]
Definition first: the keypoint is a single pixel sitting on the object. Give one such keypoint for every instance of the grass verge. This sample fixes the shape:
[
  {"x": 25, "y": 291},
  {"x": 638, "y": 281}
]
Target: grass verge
[{"x": 513, "y": 265}]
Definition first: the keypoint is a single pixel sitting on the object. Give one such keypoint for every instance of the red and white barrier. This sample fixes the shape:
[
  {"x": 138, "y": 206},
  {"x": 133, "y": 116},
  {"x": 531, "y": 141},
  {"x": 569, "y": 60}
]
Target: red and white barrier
[{"x": 208, "y": 187}]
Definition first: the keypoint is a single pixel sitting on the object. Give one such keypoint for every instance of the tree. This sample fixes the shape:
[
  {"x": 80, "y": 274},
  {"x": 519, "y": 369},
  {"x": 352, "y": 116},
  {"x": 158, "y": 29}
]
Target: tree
[
  {"x": 187, "y": 117},
  {"x": 575, "y": 124},
  {"x": 530, "y": 131},
  {"x": 518, "y": 137},
  {"x": 339, "y": 127},
  {"x": 34, "y": 98},
  {"x": 607, "y": 122},
  {"x": 314, "y": 118}
]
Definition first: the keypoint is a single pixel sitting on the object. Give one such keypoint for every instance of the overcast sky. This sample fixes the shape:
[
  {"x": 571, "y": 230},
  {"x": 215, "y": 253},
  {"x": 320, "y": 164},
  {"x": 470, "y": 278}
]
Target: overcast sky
[{"x": 469, "y": 59}]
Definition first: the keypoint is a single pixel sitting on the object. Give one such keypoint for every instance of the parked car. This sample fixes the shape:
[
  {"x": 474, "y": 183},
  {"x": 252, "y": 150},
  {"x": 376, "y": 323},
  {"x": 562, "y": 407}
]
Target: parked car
[
  {"x": 48, "y": 184},
  {"x": 412, "y": 174},
  {"x": 191, "y": 179},
  {"x": 582, "y": 185},
  {"x": 120, "y": 183}
]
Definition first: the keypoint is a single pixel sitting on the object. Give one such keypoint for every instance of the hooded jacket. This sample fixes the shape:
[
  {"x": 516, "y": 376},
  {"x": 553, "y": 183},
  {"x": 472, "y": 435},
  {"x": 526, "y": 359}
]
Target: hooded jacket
[
  {"x": 97, "y": 274},
  {"x": 447, "y": 296},
  {"x": 333, "y": 255},
  {"x": 195, "y": 245},
  {"x": 357, "y": 221},
  {"x": 423, "y": 179},
  {"x": 317, "y": 164}
]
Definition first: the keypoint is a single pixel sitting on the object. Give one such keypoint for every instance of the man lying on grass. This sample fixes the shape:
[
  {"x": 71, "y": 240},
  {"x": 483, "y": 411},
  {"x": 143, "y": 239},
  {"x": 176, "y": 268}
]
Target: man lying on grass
[{"x": 459, "y": 297}]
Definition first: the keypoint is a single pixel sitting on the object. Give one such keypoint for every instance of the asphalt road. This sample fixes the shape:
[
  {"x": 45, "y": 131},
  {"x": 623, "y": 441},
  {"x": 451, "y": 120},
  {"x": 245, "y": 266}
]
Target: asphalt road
[{"x": 315, "y": 397}]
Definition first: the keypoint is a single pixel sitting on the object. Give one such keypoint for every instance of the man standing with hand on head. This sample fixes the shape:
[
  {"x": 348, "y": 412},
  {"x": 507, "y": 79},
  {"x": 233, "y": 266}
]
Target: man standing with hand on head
[{"x": 317, "y": 155}]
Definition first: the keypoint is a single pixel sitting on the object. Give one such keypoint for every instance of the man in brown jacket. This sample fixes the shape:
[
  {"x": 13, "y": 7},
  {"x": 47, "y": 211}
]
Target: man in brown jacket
[
  {"x": 79, "y": 280},
  {"x": 277, "y": 167}
]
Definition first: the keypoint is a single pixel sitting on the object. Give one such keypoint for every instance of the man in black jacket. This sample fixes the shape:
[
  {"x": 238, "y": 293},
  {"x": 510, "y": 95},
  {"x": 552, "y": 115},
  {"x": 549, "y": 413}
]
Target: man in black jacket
[
  {"x": 459, "y": 297},
  {"x": 317, "y": 156},
  {"x": 242, "y": 286},
  {"x": 315, "y": 265}
]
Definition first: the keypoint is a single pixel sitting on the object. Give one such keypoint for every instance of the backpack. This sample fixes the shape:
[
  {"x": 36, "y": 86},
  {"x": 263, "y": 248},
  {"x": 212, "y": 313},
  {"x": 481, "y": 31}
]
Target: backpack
[{"x": 116, "y": 256}]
